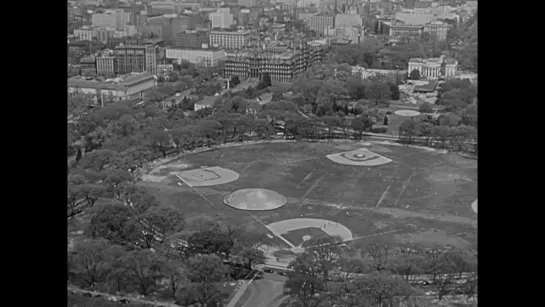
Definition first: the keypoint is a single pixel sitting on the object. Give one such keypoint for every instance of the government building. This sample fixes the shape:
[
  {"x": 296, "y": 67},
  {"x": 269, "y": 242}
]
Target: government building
[
  {"x": 433, "y": 68},
  {"x": 282, "y": 61}
]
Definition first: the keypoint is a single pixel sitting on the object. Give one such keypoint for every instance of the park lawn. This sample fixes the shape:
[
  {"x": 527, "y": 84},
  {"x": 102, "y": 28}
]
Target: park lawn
[
  {"x": 316, "y": 187},
  {"x": 279, "y": 88}
]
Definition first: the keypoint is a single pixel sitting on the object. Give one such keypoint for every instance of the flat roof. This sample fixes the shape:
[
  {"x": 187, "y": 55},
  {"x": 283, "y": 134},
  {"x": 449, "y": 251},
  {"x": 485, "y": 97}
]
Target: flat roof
[
  {"x": 245, "y": 32},
  {"x": 429, "y": 87},
  {"x": 127, "y": 80}
]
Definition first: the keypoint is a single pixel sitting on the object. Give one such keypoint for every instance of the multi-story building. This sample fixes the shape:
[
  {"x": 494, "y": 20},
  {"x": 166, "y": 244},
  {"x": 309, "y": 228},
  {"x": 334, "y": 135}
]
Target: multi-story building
[
  {"x": 105, "y": 34},
  {"x": 155, "y": 31},
  {"x": 434, "y": 68},
  {"x": 130, "y": 58},
  {"x": 221, "y": 19},
  {"x": 111, "y": 18},
  {"x": 127, "y": 87},
  {"x": 106, "y": 65},
  {"x": 415, "y": 17},
  {"x": 347, "y": 20},
  {"x": 192, "y": 39},
  {"x": 205, "y": 56},
  {"x": 88, "y": 66},
  {"x": 165, "y": 7},
  {"x": 247, "y": 3},
  {"x": 437, "y": 29},
  {"x": 133, "y": 9},
  {"x": 243, "y": 17},
  {"x": 85, "y": 33},
  {"x": 283, "y": 63},
  {"x": 321, "y": 23},
  {"x": 399, "y": 30},
  {"x": 229, "y": 39}
]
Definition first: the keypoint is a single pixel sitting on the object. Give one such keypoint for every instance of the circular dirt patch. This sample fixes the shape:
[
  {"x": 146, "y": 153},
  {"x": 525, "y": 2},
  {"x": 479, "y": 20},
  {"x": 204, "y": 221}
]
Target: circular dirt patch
[
  {"x": 407, "y": 113},
  {"x": 255, "y": 199},
  {"x": 359, "y": 157},
  {"x": 208, "y": 176}
]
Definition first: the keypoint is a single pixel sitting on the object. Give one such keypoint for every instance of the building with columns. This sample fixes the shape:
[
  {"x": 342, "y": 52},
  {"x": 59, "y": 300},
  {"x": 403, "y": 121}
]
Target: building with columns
[{"x": 434, "y": 68}]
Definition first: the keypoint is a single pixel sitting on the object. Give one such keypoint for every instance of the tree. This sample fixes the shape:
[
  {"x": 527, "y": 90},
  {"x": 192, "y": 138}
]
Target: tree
[
  {"x": 326, "y": 253},
  {"x": 167, "y": 220},
  {"x": 235, "y": 80},
  {"x": 247, "y": 245},
  {"x": 425, "y": 108},
  {"x": 204, "y": 272},
  {"x": 394, "y": 90},
  {"x": 385, "y": 122},
  {"x": 109, "y": 221},
  {"x": 90, "y": 261},
  {"x": 379, "y": 254},
  {"x": 424, "y": 129},
  {"x": 210, "y": 242},
  {"x": 91, "y": 192},
  {"x": 380, "y": 287},
  {"x": 415, "y": 74},
  {"x": 304, "y": 280},
  {"x": 407, "y": 130},
  {"x": 378, "y": 92},
  {"x": 173, "y": 270},
  {"x": 144, "y": 269}
]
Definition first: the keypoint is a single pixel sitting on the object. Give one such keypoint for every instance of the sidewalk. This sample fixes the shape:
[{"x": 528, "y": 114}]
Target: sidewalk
[{"x": 239, "y": 293}]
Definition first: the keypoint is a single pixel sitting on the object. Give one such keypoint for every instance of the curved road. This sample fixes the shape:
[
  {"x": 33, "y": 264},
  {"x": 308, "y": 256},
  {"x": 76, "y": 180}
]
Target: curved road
[{"x": 266, "y": 292}]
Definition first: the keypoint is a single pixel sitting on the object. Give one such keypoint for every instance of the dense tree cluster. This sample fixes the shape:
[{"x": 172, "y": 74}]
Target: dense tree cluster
[
  {"x": 154, "y": 252},
  {"x": 376, "y": 273},
  {"x": 329, "y": 89}
]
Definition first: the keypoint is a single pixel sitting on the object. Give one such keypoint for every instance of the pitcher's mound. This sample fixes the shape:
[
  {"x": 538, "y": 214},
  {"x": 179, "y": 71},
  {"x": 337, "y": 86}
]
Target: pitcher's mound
[
  {"x": 255, "y": 199},
  {"x": 359, "y": 157},
  {"x": 208, "y": 176}
]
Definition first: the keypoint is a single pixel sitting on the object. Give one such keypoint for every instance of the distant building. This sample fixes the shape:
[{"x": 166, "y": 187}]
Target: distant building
[
  {"x": 398, "y": 30},
  {"x": 347, "y": 20},
  {"x": 229, "y": 39},
  {"x": 88, "y": 66},
  {"x": 247, "y": 3},
  {"x": 434, "y": 68},
  {"x": 123, "y": 88},
  {"x": 192, "y": 39},
  {"x": 322, "y": 23},
  {"x": 111, "y": 18},
  {"x": 221, "y": 19},
  {"x": 130, "y": 58},
  {"x": 85, "y": 34},
  {"x": 105, "y": 64},
  {"x": 155, "y": 31},
  {"x": 437, "y": 29},
  {"x": 283, "y": 63},
  {"x": 205, "y": 56}
]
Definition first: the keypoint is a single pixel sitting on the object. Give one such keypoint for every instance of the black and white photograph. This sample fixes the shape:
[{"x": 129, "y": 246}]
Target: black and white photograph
[{"x": 272, "y": 153}]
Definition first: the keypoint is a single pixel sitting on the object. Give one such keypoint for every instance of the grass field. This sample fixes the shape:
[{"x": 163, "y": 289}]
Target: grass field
[{"x": 426, "y": 196}]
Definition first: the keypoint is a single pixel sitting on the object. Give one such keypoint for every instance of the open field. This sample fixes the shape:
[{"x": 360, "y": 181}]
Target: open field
[{"x": 420, "y": 196}]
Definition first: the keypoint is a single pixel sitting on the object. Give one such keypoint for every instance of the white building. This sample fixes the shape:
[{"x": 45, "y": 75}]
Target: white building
[
  {"x": 111, "y": 18},
  {"x": 85, "y": 33},
  {"x": 229, "y": 40},
  {"x": 434, "y": 68},
  {"x": 126, "y": 87},
  {"x": 204, "y": 56},
  {"x": 221, "y": 19},
  {"x": 347, "y": 20}
]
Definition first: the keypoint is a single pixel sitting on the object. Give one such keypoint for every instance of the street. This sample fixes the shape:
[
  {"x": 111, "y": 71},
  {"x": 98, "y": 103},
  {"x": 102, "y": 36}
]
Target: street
[{"x": 268, "y": 291}]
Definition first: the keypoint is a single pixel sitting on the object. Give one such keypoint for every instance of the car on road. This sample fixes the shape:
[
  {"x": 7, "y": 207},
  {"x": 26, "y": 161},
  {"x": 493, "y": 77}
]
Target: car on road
[
  {"x": 266, "y": 270},
  {"x": 283, "y": 273}
]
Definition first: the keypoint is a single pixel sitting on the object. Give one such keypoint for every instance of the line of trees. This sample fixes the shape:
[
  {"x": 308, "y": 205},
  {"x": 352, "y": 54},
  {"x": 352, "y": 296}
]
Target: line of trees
[{"x": 377, "y": 273}]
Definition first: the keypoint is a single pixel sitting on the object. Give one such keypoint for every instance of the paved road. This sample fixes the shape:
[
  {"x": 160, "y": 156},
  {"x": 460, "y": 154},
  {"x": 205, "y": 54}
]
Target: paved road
[{"x": 266, "y": 292}]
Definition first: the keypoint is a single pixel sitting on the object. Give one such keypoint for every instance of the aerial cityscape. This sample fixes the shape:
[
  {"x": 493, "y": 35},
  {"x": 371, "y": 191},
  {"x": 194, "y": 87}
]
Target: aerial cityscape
[{"x": 272, "y": 153}]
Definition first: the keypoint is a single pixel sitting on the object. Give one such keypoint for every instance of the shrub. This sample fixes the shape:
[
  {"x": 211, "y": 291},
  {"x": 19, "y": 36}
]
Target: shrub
[
  {"x": 425, "y": 108},
  {"x": 379, "y": 129}
]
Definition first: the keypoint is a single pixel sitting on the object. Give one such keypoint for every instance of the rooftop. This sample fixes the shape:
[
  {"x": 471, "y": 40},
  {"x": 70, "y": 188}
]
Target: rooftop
[
  {"x": 113, "y": 84},
  {"x": 208, "y": 101},
  {"x": 429, "y": 87}
]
